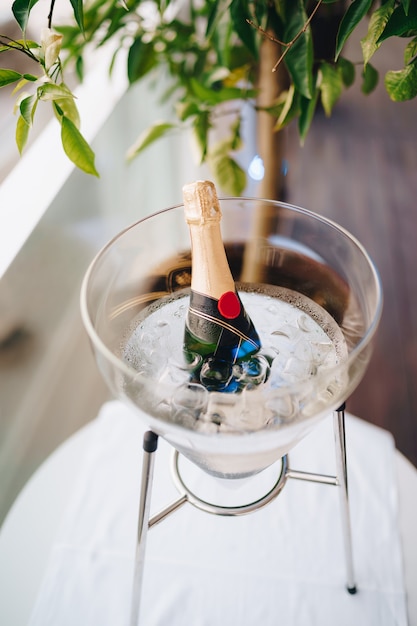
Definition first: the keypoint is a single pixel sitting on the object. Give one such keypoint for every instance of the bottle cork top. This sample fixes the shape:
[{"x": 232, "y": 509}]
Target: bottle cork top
[{"x": 201, "y": 204}]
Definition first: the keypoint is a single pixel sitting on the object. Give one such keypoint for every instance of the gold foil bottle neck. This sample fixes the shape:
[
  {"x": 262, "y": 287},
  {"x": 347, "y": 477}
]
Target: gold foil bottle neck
[{"x": 201, "y": 204}]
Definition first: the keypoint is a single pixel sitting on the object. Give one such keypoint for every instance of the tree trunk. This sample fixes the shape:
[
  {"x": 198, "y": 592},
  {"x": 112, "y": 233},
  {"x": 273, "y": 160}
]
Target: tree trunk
[
  {"x": 271, "y": 149},
  {"x": 270, "y": 142}
]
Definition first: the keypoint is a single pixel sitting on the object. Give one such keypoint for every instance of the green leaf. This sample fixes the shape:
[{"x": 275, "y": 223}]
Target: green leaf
[
  {"x": 186, "y": 109},
  {"x": 354, "y": 14},
  {"x": 228, "y": 173},
  {"x": 30, "y": 77},
  {"x": 331, "y": 86},
  {"x": 410, "y": 51},
  {"x": 307, "y": 110},
  {"x": 76, "y": 148},
  {"x": 236, "y": 137},
  {"x": 406, "y": 5},
  {"x": 51, "y": 91},
  {"x": 21, "y": 10},
  {"x": 212, "y": 96},
  {"x": 239, "y": 12},
  {"x": 148, "y": 136},
  {"x": 226, "y": 170},
  {"x": 9, "y": 76},
  {"x": 141, "y": 59},
  {"x": 401, "y": 24},
  {"x": 201, "y": 129},
  {"x": 79, "y": 68},
  {"x": 22, "y": 83},
  {"x": 25, "y": 43},
  {"x": 67, "y": 107},
  {"x": 212, "y": 18},
  {"x": 347, "y": 71},
  {"x": 27, "y": 109},
  {"x": 370, "y": 78},
  {"x": 18, "y": 44},
  {"x": 377, "y": 24},
  {"x": 22, "y": 133},
  {"x": 401, "y": 85},
  {"x": 290, "y": 109},
  {"x": 77, "y": 6},
  {"x": 219, "y": 42},
  {"x": 299, "y": 59}
]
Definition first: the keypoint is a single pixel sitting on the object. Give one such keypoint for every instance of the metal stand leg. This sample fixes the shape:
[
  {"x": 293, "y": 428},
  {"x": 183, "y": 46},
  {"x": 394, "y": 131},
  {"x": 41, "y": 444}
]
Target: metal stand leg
[
  {"x": 150, "y": 444},
  {"x": 340, "y": 445}
]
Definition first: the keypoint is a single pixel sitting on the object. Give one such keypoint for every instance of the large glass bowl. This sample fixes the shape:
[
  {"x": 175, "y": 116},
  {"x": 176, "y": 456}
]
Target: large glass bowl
[{"x": 268, "y": 243}]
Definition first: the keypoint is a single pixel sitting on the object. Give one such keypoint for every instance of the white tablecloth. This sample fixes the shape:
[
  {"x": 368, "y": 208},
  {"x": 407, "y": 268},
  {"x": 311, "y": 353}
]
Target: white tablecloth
[{"x": 283, "y": 564}]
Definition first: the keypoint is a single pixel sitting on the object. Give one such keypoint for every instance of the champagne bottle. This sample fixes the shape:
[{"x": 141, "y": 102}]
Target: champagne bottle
[{"x": 217, "y": 327}]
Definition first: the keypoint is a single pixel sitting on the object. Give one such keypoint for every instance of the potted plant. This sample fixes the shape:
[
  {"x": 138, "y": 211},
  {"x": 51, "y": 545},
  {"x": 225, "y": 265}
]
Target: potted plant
[{"x": 214, "y": 56}]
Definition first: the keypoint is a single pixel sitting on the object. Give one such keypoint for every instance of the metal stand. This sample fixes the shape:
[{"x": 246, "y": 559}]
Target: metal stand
[{"x": 145, "y": 522}]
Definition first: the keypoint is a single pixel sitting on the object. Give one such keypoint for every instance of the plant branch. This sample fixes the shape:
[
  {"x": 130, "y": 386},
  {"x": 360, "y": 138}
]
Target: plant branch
[
  {"x": 12, "y": 44},
  {"x": 51, "y": 13},
  {"x": 289, "y": 44}
]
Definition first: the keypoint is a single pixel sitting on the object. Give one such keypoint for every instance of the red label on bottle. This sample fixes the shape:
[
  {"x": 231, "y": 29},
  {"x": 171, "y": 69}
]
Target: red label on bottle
[{"x": 229, "y": 305}]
